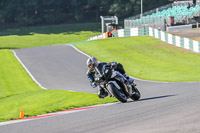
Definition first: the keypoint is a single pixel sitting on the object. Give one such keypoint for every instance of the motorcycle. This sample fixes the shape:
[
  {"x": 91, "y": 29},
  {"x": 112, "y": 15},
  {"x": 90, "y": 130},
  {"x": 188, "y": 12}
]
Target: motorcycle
[{"x": 112, "y": 84}]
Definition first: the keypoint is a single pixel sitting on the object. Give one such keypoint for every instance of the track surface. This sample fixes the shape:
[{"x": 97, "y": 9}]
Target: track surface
[
  {"x": 57, "y": 67},
  {"x": 163, "y": 108}
]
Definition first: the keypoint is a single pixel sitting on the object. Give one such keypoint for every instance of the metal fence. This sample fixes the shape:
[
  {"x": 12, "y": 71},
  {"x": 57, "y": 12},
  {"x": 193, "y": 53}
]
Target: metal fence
[
  {"x": 160, "y": 22},
  {"x": 185, "y": 3},
  {"x": 151, "y": 11}
]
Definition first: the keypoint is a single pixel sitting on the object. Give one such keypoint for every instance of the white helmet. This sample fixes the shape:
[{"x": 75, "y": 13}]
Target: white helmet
[{"x": 92, "y": 62}]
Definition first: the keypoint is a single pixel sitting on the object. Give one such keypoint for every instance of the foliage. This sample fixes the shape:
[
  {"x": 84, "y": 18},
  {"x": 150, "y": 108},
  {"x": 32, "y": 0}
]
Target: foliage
[{"x": 34, "y": 12}]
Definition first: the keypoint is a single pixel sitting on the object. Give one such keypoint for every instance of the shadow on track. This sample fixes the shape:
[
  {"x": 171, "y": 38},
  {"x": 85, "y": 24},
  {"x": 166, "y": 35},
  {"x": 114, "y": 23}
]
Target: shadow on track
[{"x": 152, "y": 98}]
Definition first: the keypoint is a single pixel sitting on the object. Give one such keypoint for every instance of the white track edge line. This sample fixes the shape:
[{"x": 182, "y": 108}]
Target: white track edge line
[
  {"x": 32, "y": 77},
  {"x": 79, "y": 50},
  {"x": 29, "y": 73}
]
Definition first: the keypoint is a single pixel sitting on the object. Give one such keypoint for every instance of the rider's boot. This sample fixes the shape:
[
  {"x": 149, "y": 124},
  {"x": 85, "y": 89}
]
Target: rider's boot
[
  {"x": 126, "y": 75},
  {"x": 127, "y": 80},
  {"x": 130, "y": 80},
  {"x": 102, "y": 93}
]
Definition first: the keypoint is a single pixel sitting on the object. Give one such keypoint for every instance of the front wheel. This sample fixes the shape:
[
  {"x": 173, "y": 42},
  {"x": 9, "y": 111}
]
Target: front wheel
[
  {"x": 117, "y": 93},
  {"x": 136, "y": 95}
]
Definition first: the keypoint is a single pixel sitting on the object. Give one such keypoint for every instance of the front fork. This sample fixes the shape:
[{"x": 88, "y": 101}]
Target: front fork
[{"x": 130, "y": 88}]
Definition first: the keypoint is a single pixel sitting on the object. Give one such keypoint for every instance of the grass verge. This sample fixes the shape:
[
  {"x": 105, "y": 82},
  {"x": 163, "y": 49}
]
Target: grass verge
[
  {"x": 46, "y": 101},
  {"x": 47, "y": 35},
  {"x": 147, "y": 58},
  {"x": 18, "y": 91}
]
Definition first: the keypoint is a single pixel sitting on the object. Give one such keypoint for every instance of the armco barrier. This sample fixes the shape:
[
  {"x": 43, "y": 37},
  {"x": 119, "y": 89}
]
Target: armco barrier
[
  {"x": 161, "y": 35},
  {"x": 125, "y": 33},
  {"x": 102, "y": 36},
  {"x": 175, "y": 40},
  {"x": 131, "y": 32}
]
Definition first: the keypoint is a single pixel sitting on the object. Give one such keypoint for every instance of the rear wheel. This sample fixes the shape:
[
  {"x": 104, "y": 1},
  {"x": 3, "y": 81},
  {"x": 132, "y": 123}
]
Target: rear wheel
[
  {"x": 136, "y": 95},
  {"x": 117, "y": 93}
]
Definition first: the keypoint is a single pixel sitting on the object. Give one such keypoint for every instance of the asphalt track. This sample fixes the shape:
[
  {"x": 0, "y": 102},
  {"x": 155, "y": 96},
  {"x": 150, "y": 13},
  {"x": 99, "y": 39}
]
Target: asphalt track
[
  {"x": 163, "y": 107},
  {"x": 57, "y": 67}
]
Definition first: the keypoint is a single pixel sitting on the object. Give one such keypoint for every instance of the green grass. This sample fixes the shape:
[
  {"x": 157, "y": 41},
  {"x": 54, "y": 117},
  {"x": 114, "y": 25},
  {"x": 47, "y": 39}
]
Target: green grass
[
  {"x": 18, "y": 91},
  {"x": 47, "y": 35},
  {"x": 147, "y": 58},
  {"x": 45, "y": 101},
  {"x": 13, "y": 78},
  {"x": 142, "y": 57}
]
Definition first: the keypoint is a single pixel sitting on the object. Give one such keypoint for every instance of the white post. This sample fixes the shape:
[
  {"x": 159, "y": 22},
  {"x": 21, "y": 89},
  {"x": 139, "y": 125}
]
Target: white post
[
  {"x": 102, "y": 24},
  {"x": 116, "y": 19},
  {"x": 141, "y": 9}
]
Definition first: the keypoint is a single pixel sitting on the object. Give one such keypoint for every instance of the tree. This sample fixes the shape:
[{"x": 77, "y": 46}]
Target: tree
[{"x": 33, "y": 12}]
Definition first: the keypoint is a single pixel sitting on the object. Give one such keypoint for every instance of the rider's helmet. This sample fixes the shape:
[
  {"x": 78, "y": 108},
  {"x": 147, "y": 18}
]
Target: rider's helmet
[{"x": 92, "y": 62}]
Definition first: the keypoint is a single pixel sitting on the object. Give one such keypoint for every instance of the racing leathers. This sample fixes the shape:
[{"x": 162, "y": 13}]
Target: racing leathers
[{"x": 97, "y": 72}]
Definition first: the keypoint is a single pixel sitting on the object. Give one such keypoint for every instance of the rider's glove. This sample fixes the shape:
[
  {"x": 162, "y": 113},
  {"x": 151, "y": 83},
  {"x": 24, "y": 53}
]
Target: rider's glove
[{"x": 93, "y": 85}]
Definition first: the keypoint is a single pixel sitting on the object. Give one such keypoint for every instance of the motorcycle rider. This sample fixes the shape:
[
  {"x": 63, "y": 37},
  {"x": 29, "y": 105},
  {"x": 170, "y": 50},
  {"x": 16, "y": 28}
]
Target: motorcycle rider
[{"x": 95, "y": 70}]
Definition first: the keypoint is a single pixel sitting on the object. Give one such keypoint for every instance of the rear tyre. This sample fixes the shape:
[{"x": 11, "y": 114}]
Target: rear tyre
[
  {"x": 117, "y": 93},
  {"x": 136, "y": 95}
]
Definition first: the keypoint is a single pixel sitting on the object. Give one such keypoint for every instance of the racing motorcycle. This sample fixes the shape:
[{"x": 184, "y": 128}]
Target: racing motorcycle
[{"x": 112, "y": 84}]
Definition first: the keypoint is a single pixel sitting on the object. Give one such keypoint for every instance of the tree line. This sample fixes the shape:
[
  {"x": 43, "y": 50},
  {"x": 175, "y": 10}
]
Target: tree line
[{"x": 37, "y": 12}]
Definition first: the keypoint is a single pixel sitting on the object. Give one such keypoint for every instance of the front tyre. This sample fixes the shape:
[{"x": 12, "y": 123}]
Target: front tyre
[
  {"x": 117, "y": 93},
  {"x": 136, "y": 95}
]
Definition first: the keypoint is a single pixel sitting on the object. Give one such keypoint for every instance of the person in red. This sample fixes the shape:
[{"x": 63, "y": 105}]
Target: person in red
[
  {"x": 114, "y": 29},
  {"x": 109, "y": 34}
]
